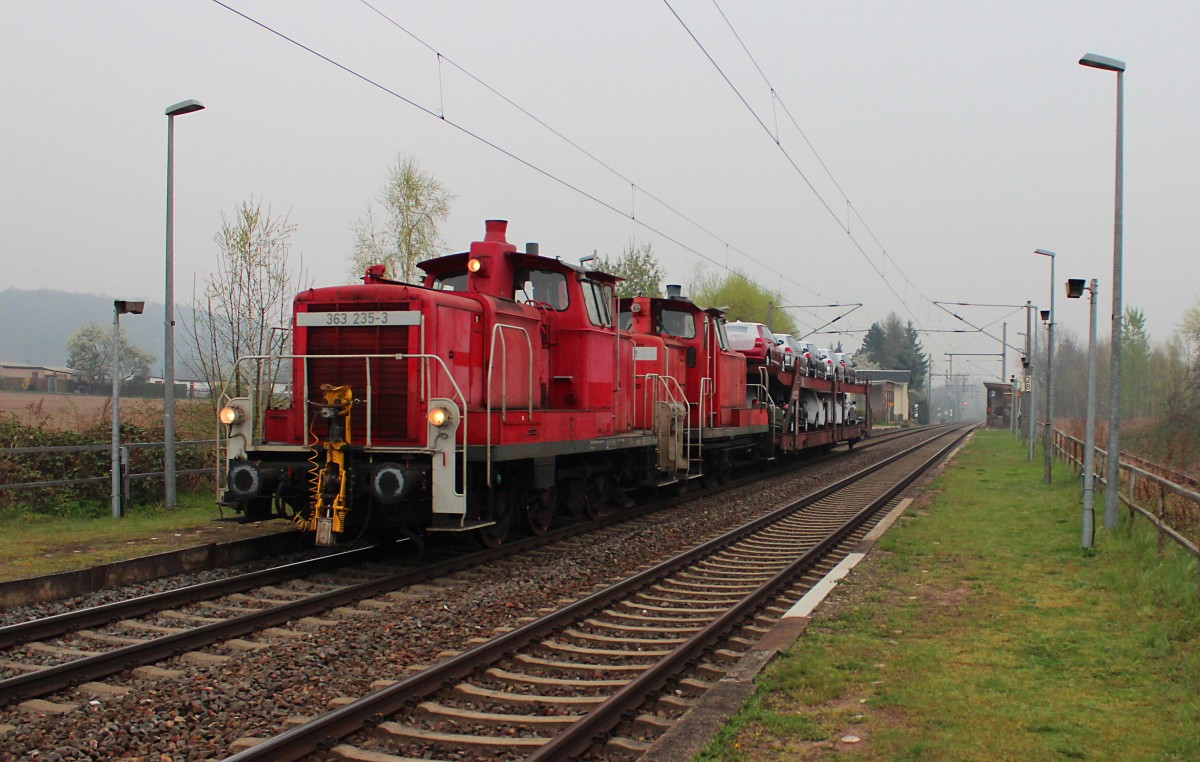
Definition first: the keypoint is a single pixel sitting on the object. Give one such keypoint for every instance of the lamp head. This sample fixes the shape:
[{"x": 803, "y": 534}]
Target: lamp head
[
  {"x": 1045, "y": 316},
  {"x": 184, "y": 107},
  {"x": 128, "y": 308},
  {"x": 1044, "y": 252},
  {"x": 1074, "y": 288},
  {"x": 1102, "y": 62}
]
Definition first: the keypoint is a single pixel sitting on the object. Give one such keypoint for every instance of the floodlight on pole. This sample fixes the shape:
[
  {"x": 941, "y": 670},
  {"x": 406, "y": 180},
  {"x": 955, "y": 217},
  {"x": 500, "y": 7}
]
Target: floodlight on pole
[
  {"x": 1047, "y": 441},
  {"x": 178, "y": 109},
  {"x": 1075, "y": 289},
  {"x": 120, "y": 307},
  {"x": 1112, "y": 470}
]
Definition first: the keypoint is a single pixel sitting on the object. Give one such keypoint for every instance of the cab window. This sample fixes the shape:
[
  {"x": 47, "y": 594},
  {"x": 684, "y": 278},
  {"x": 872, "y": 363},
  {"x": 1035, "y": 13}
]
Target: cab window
[
  {"x": 677, "y": 323},
  {"x": 722, "y": 339},
  {"x": 598, "y": 299},
  {"x": 541, "y": 286},
  {"x": 451, "y": 281}
]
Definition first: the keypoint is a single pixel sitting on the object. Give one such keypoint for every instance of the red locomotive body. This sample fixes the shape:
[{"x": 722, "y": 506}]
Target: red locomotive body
[{"x": 500, "y": 389}]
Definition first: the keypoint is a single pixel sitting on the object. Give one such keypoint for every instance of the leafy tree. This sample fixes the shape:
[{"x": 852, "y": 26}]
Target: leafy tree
[
  {"x": 89, "y": 353},
  {"x": 640, "y": 269},
  {"x": 247, "y": 301},
  {"x": 743, "y": 299},
  {"x": 414, "y": 204},
  {"x": 874, "y": 345},
  {"x": 895, "y": 345}
]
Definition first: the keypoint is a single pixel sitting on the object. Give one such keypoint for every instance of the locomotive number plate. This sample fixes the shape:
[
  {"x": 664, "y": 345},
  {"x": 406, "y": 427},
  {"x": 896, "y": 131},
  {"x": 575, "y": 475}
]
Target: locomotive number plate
[{"x": 365, "y": 319}]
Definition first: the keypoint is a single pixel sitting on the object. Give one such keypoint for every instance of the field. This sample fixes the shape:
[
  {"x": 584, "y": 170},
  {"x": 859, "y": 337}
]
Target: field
[
  {"x": 58, "y": 411},
  {"x": 76, "y": 412}
]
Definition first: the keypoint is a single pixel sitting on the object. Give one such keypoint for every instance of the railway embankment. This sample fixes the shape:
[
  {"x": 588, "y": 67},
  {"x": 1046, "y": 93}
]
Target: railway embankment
[{"x": 979, "y": 629}]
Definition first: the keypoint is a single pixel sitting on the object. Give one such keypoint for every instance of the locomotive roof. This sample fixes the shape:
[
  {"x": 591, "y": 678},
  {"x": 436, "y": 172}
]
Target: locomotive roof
[
  {"x": 680, "y": 300},
  {"x": 459, "y": 262}
]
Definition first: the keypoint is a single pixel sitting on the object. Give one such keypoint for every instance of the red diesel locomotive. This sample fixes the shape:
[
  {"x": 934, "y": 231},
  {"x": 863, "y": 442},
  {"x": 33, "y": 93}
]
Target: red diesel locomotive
[{"x": 507, "y": 387}]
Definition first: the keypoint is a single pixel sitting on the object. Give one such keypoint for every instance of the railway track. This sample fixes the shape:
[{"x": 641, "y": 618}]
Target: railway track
[
  {"x": 52, "y": 654},
  {"x": 608, "y": 673}
]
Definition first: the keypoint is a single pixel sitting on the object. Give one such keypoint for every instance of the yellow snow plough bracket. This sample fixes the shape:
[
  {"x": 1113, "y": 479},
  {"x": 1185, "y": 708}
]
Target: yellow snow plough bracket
[{"x": 328, "y": 515}]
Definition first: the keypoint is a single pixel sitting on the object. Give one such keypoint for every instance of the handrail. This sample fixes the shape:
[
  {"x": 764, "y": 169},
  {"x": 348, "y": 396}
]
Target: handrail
[
  {"x": 672, "y": 393},
  {"x": 498, "y": 332},
  {"x": 366, "y": 358},
  {"x": 707, "y": 392}
]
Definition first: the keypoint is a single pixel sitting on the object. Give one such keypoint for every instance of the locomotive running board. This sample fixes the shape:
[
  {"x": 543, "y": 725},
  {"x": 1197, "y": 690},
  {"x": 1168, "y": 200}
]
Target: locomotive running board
[{"x": 465, "y": 527}]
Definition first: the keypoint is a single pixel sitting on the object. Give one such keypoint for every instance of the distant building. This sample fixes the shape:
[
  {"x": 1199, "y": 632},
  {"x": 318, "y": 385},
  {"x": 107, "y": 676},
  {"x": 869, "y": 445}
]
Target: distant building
[
  {"x": 35, "y": 378},
  {"x": 185, "y": 388},
  {"x": 999, "y": 405},
  {"x": 888, "y": 390}
]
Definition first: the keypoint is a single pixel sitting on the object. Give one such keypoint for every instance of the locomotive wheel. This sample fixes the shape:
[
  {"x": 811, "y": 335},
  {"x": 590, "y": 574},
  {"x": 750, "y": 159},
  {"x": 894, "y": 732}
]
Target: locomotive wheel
[
  {"x": 502, "y": 513},
  {"x": 598, "y": 495},
  {"x": 573, "y": 496},
  {"x": 724, "y": 469},
  {"x": 539, "y": 511},
  {"x": 681, "y": 487}
]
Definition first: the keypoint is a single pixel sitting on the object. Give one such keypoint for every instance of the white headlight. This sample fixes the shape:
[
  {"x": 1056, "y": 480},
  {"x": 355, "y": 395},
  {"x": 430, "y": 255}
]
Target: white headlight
[{"x": 230, "y": 415}]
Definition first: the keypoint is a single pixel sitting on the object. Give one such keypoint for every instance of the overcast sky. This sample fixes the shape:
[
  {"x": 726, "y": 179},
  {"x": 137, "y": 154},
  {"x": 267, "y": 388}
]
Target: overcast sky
[{"x": 964, "y": 134}]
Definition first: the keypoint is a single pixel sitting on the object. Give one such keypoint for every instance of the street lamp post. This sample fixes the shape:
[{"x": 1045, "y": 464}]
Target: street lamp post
[
  {"x": 1030, "y": 351},
  {"x": 120, "y": 308},
  {"x": 1112, "y": 472},
  {"x": 183, "y": 107},
  {"x": 1075, "y": 289},
  {"x": 1048, "y": 455}
]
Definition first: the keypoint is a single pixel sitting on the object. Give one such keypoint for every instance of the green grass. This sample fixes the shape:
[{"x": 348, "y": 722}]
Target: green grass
[
  {"x": 983, "y": 631},
  {"x": 35, "y": 543}
]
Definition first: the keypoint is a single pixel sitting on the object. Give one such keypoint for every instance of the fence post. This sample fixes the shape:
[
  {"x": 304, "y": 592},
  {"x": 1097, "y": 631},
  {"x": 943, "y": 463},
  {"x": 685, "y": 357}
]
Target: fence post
[
  {"x": 124, "y": 478},
  {"x": 1132, "y": 482},
  {"x": 1160, "y": 520}
]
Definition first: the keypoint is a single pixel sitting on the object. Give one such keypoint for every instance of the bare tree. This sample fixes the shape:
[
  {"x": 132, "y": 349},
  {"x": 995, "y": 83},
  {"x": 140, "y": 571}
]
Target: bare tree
[
  {"x": 414, "y": 204},
  {"x": 246, "y": 306}
]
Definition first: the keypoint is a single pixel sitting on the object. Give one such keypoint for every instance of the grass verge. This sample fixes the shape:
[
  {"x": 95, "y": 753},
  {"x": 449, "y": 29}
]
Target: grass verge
[
  {"x": 980, "y": 630},
  {"x": 33, "y": 544}
]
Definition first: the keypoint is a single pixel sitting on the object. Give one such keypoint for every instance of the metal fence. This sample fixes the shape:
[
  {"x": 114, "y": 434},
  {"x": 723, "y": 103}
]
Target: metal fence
[
  {"x": 106, "y": 473},
  {"x": 1173, "y": 508}
]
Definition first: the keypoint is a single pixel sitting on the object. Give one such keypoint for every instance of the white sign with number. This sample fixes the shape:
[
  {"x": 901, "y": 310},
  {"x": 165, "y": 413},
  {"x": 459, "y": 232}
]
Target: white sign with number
[{"x": 363, "y": 319}]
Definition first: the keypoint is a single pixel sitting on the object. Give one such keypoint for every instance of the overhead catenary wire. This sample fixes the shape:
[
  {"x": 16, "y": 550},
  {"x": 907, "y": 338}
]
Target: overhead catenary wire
[
  {"x": 776, "y": 98},
  {"x": 440, "y": 114},
  {"x": 635, "y": 188},
  {"x": 515, "y": 157}
]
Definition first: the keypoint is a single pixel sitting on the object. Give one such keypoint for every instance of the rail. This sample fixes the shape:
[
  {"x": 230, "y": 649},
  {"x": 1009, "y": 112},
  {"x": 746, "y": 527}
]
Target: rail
[
  {"x": 319, "y": 733},
  {"x": 1174, "y": 507}
]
